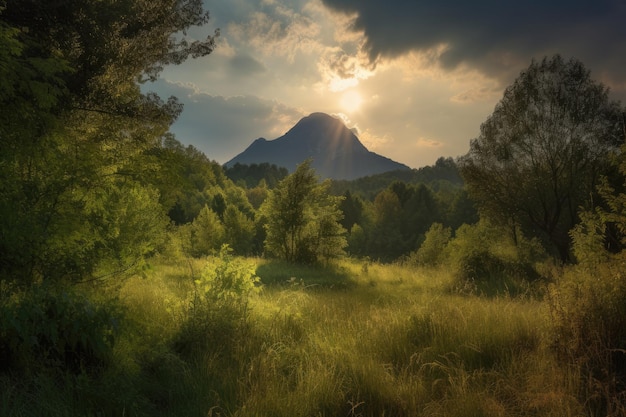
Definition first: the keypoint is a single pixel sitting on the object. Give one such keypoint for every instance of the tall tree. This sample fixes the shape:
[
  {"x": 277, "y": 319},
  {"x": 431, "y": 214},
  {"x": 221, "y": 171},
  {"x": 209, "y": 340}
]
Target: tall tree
[
  {"x": 540, "y": 154},
  {"x": 207, "y": 233},
  {"x": 74, "y": 125},
  {"x": 302, "y": 219},
  {"x": 352, "y": 209},
  {"x": 239, "y": 230}
]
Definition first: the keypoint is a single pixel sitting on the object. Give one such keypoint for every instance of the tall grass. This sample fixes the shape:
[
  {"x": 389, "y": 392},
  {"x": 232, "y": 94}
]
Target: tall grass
[{"x": 352, "y": 339}]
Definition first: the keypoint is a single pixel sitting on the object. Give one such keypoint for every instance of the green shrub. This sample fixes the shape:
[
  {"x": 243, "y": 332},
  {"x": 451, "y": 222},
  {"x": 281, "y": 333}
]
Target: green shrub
[
  {"x": 486, "y": 262},
  {"x": 44, "y": 328},
  {"x": 588, "y": 310},
  {"x": 219, "y": 304},
  {"x": 432, "y": 251}
]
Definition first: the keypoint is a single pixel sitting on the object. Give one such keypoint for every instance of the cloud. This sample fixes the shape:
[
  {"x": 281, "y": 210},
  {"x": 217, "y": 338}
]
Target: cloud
[
  {"x": 278, "y": 32},
  {"x": 496, "y": 37},
  {"x": 428, "y": 143},
  {"x": 222, "y": 127},
  {"x": 244, "y": 65}
]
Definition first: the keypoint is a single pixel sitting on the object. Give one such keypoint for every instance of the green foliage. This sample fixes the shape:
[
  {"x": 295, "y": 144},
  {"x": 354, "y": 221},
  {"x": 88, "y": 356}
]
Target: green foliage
[
  {"x": 206, "y": 233},
  {"x": 257, "y": 195},
  {"x": 252, "y": 175},
  {"x": 394, "y": 210},
  {"x": 302, "y": 219},
  {"x": 33, "y": 87},
  {"x": 47, "y": 328},
  {"x": 487, "y": 262},
  {"x": 352, "y": 209},
  {"x": 394, "y": 341},
  {"x": 588, "y": 308},
  {"x": 110, "y": 45},
  {"x": 588, "y": 239},
  {"x": 219, "y": 305},
  {"x": 76, "y": 199},
  {"x": 69, "y": 217},
  {"x": 588, "y": 305},
  {"x": 540, "y": 154},
  {"x": 229, "y": 281},
  {"x": 401, "y": 216},
  {"x": 444, "y": 171},
  {"x": 432, "y": 250},
  {"x": 357, "y": 241},
  {"x": 131, "y": 225},
  {"x": 239, "y": 230}
]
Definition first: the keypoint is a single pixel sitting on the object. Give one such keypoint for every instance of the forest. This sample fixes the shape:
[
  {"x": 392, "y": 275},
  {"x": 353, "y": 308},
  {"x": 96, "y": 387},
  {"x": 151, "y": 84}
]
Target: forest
[{"x": 138, "y": 277}]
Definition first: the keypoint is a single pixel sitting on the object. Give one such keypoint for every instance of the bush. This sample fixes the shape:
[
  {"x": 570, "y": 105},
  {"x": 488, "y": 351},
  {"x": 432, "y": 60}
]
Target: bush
[
  {"x": 589, "y": 313},
  {"x": 432, "y": 251},
  {"x": 49, "y": 328},
  {"x": 219, "y": 304},
  {"x": 487, "y": 263}
]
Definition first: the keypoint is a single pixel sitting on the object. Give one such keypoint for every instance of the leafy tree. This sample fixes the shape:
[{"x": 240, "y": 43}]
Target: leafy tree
[
  {"x": 253, "y": 174},
  {"x": 431, "y": 252},
  {"x": 74, "y": 127},
  {"x": 352, "y": 209},
  {"x": 257, "y": 195},
  {"x": 302, "y": 219},
  {"x": 540, "y": 154},
  {"x": 109, "y": 45},
  {"x": 239, "y": 230},
  {"x": 357, "y": 241},
  {"x": 460, "y": 210},
  {"x": 207, "y": 233},
  {"x": 589, "y": 308},
  {"x": 384, "y": 237},
  {"x": 402, "y": 215},
  {"x": 601, "y": 234}
]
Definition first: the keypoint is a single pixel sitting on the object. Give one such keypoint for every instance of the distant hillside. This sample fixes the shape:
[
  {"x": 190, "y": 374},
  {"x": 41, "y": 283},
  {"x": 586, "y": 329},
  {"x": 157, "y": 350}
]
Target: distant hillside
[
  {"x": 335, "y": 150},
  {"x": 443, "y": 173}
]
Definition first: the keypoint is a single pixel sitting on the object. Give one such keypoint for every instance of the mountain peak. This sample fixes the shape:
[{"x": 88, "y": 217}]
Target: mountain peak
[{"x": 336, "y": 151}]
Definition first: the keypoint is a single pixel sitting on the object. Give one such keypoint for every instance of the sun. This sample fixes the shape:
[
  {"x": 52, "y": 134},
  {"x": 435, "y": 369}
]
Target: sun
[{"x": 351, "y": 101}]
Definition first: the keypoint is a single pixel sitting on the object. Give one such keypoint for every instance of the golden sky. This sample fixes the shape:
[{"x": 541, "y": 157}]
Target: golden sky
[{"x": 415, "y": 79}]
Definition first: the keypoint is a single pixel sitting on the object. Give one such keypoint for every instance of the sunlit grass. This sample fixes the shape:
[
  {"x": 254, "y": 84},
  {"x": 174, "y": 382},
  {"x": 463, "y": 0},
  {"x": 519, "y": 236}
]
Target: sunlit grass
[
  {"x": 350, "y": 339},
  {"x": 396, "y": 342}
]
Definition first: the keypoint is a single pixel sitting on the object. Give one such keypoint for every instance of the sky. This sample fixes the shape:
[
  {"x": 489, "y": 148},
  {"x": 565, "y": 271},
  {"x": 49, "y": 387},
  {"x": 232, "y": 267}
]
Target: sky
[{"x": 413, "y": 78}]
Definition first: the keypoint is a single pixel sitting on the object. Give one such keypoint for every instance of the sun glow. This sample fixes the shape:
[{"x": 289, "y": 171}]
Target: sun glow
[{"x": 351, "y": 101}]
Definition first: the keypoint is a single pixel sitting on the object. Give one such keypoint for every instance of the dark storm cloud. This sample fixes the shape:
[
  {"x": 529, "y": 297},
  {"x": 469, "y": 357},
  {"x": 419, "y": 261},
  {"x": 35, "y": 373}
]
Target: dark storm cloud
[{"x": 496, "y": 36}]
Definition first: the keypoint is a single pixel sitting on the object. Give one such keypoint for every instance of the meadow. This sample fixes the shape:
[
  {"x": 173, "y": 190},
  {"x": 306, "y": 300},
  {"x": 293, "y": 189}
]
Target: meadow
[{"x": 354, "y": 338}]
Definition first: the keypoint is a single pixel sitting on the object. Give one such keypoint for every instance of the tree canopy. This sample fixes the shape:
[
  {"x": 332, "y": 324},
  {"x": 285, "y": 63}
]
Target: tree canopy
[
  {"x": 76, "y": 132},
  {"x": 302, "y": 219},
  {"x": 541, "y": 153}
]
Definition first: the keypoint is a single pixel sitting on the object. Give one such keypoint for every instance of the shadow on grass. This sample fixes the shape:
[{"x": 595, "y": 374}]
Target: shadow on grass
[{"x": 281, "y": 273}]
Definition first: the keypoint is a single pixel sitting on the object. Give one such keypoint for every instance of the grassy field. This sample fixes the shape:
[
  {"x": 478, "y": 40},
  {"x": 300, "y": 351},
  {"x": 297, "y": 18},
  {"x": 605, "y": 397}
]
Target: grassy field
[{"x": 355, "y": 339}]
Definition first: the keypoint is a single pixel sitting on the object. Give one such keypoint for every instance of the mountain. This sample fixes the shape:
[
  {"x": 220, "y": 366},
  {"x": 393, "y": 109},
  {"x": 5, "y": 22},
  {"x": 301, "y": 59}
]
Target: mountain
[{"x": 335, "y": 150}]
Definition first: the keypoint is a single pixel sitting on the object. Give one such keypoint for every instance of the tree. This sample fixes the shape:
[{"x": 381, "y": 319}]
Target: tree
[
  {"x": 239, "y": 230},
  {"x": 431, "y": 252},
  {"x": 302, "y": 219},
  {"x": 74, "y": 127},
  {"x": 352, "y": 209},
  {"x": 402, "y": 215},
  {"x": 384, "y": 237},
  {"x": 109, "y": 46},
  {"x": 601, "y": 234},
  {"x": 540, "y": 154},
  {"x": 207, "y": 233}
]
